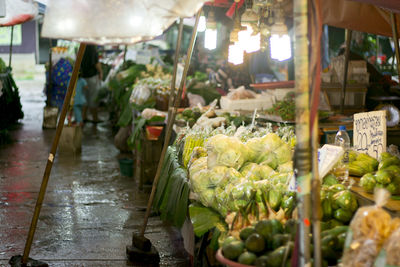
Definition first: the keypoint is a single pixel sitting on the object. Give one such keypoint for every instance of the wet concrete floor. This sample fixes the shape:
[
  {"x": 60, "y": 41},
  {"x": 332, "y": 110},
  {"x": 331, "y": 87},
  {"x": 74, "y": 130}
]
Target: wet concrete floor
[{"x": 90, "y": 210}]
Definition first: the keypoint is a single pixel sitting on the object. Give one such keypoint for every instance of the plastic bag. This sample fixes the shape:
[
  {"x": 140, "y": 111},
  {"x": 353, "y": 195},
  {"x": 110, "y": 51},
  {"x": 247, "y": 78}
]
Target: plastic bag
[
  {"x": 18, "y": 11},
  {"x": 369, "y": 229},
  {"x": 195, "y": 100},
  {"x": 240, "y": 93},
  {"x": 389, "y": 254},
  {"x": 149, "y": 113}
]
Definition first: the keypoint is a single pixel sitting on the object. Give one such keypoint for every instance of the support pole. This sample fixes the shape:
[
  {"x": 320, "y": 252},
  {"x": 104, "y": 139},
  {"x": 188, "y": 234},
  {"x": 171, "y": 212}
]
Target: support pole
[
  {"x": 393, "y": 20},
  {"x": 11, "y": 46},
  {"x": 50, "y": 84},
  {"x": 52, "y": 154},
  {"x": 172, "y": 112},
  {"x": 346, "y": 68},
  {"x": 175, "y": 70},
  {"x": 125, "y": 50},
  {"x": 303, "y": 147}
]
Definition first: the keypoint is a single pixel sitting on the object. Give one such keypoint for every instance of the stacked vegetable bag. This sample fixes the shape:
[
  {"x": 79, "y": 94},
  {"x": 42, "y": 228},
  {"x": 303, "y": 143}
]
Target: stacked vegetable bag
[
  {"x": 233, "y": 173},
  {"x": 384, "y": 173}
]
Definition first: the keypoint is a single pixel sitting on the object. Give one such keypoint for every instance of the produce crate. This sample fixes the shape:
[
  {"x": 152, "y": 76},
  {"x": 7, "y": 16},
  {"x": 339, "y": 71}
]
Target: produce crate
[
  {"x": 354, "y": 97},
  {"x": 260, "y": 102},
  {"x": 147, "y": 159}
]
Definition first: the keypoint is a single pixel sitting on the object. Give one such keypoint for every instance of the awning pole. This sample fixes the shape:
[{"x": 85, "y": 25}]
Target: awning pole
[
  {"x": 393, "y": 20},
  {"x": 346, "y": 68},
  {"x": 11, "y": 46},
  {"x": 52, "y": 154},
  {"x": 172, "y": 112},
  {"x": 302, "y": 157}
]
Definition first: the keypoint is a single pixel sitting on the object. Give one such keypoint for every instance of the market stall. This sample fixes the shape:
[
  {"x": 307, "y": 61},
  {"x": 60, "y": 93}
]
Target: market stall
[{"x": 244, "y": 175}]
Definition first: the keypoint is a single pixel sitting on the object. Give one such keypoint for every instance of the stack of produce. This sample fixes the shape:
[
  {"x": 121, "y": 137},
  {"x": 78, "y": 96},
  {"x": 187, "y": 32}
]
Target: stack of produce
[
  {"x": 285, "y": 108},
  {"x": 233, "y": 173},
  {"x": 189, "y": 115},
  {"x": 337, "y": 202},
  {"x": 387, "y": 176},
  {"x": 270, "y": 243},
  {"x": 360, "y": 164}
]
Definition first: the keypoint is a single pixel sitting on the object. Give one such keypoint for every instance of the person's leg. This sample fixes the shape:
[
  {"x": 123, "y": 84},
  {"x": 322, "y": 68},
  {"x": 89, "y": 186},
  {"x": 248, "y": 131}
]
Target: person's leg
[
  {"x": 91, "y": 98},
  {"x": 84, "y": 113},
  {"x": 78, "y": 114}
]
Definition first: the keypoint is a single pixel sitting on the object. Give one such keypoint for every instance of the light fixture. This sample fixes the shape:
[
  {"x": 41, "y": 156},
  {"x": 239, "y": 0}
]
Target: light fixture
[
  {"x": 210, "y": 38},
  {"x": 234, "y": 35},
  {"x": 280, "y": 41},
  {"x": 249, "y": 17},
  {"x": 113, "y": 21},
  {"x": 202, "y": 24},
  {"x": 235, "y": 54},
  {"x": 249, "y": 41}
]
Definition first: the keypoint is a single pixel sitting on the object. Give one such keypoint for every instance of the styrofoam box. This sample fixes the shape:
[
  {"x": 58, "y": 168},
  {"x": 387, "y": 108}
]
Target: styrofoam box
[{"x": 259, "y": 103}]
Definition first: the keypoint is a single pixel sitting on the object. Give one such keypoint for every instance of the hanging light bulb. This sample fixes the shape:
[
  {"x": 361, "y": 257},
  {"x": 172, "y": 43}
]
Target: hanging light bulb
[
  {"x": 280, "y": 41},
  {"x": 248, "y": 41},
  {"x": 210, "y": 38},
  {"x": 202, "y": 24},
  {"x": 235, "y": 54}
]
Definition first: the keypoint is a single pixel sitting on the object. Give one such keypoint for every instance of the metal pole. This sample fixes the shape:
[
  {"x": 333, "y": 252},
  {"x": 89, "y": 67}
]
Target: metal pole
[
  {"x": 50, "y": 72},
  {"x": 303, "y": 147},
  {"x": 393, "y": 20},
  {"x": 52, "y": 154},
  {"x": 171, "y": 122},
  {"x": 11, "y": 46},
  {"x": 346, "y": 68},
  {"x": 173, "y": 80},
  {"x": 316, "y": 196},
  {"x": 125, "y": 49}
]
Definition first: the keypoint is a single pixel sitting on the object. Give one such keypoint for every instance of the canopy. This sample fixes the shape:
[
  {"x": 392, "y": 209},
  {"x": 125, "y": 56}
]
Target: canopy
[
  {"x": 391, "y": 5},
  {"x": 18, "y": 11},
  {"x": 360, "y": 16}
]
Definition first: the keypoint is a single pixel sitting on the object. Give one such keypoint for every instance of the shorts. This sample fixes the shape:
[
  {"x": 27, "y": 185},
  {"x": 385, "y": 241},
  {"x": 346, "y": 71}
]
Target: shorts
[{"x": 92, "y": 91}]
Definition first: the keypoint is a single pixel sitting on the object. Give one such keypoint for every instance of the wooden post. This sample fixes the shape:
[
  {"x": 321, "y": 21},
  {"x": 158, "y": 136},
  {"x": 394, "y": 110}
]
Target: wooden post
[
  {"x": 11, "y": 46},
  {"x": 393, "y": 20},
  {"x": 346, "y": 68},
  {"x": 171, "y": 120},
  {"x": 52, "y": 153},
  {"x": 303, "y": 147}
]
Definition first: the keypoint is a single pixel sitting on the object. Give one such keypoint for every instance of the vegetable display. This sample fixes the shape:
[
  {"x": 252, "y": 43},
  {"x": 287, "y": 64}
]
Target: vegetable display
[{"x": 387, "y": 174}]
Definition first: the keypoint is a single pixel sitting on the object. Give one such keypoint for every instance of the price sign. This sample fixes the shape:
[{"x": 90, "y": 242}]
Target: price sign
[{"x": 369, "y": 132}]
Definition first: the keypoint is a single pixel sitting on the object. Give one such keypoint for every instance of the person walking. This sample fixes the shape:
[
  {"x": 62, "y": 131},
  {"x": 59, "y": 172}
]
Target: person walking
[
  {"x": 93, "y": 74},
  {"x": 79, "y": 100}
]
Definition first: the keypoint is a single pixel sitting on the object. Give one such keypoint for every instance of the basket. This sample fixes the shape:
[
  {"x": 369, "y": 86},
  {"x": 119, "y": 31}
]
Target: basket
[
  {"x": 260, "y": 102},
  {"x": 227, "y": 262}
]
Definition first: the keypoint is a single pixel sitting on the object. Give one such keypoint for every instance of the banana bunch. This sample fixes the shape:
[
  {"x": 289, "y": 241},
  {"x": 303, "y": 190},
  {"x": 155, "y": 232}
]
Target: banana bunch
[{"x": 191, "y": 141}]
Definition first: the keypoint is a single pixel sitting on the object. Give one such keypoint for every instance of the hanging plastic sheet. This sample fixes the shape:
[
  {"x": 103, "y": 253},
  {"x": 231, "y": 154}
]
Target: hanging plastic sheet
[
  {"x": 114, "y": 21},
  {"x": 18, "y": 11}
]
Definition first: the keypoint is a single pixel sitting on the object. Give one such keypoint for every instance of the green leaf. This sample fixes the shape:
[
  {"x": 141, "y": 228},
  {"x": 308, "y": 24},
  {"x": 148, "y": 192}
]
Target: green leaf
[{"x": 204, "y": 219}]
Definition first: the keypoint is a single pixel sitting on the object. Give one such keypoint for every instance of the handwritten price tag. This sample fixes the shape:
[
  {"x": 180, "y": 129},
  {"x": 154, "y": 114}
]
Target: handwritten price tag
[{"x": 369, "y": 134}]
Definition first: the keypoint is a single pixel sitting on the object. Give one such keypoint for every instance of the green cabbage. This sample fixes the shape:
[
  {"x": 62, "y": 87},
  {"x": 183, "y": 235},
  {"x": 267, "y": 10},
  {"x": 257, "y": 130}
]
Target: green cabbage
[
  {"x": 286, "y": 167},
  {"x": 226, "y": 151},
  {"x": 283, "y": 153}
]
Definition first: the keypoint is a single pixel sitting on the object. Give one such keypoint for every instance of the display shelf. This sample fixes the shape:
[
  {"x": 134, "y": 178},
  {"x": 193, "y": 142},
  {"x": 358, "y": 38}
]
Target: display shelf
[{"x": 393, "y": 205}]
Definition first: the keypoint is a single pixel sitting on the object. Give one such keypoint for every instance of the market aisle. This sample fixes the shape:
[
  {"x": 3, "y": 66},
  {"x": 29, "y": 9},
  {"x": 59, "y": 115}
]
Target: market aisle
[{"x": 89, "y": 211}]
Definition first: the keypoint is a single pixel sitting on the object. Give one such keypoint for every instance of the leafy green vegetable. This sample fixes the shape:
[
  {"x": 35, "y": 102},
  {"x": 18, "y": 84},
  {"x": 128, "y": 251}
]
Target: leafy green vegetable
[{"x": 204, "y": 219}]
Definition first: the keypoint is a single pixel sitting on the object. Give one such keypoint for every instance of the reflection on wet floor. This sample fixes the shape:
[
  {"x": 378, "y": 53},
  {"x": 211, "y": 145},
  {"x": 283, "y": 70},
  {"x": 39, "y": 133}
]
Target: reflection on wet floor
[{"x": 89, "y": 212}]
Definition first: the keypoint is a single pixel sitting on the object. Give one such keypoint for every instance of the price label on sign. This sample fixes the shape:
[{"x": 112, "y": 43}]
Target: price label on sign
[{"x": 369, "y": 132}]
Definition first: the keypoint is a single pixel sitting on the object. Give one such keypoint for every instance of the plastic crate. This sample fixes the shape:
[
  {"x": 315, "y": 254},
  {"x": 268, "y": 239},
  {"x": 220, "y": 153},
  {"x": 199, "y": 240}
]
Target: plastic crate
[{"x": 260, "y": 102}]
